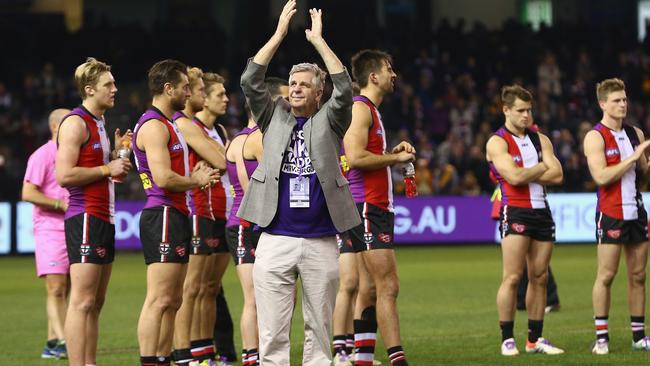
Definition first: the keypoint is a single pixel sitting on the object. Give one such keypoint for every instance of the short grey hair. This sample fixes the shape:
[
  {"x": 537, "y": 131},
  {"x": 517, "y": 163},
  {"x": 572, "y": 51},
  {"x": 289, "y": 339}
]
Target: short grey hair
[{"x": 319, "y": 74}]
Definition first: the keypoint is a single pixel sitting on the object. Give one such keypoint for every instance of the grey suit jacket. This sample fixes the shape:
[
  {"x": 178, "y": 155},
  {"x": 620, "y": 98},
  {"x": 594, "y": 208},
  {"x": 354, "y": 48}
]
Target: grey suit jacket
[{"x": 323, "y": 135}]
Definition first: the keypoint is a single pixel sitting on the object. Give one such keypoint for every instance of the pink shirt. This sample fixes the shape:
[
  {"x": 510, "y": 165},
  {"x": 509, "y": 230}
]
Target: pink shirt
[{"x": 40, "y": 172}]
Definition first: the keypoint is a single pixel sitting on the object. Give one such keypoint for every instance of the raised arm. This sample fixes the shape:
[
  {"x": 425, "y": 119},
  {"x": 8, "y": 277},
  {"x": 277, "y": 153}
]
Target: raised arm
[
  {"x": 497, "y": 153},
  {"x": 207, "y": 148},
  {"x": 602, "y": 174},
  {"x": 153, "y": 138},
  {"x": 554, "y": 175},
  {"x": 339, "y": 107},
  {"x": 252, "y": 80},
  {"x": 72, "y": 135},
  {"x": 356, "y": 143}
]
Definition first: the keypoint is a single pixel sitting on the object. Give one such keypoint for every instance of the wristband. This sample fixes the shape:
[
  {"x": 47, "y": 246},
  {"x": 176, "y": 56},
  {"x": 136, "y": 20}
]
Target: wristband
[
  {"x": 106, "y": 171},
  {"x": 57, "y": 204}
]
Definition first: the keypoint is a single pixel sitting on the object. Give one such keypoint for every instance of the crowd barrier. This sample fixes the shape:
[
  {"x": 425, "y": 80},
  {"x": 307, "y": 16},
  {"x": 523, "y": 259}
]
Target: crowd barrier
[{"x": 419, "y": 221}]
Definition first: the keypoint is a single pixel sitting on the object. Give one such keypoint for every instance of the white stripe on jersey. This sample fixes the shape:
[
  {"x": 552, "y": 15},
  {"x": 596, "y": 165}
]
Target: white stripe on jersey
[
  {"x": 186, "y": 159},
  {"x": 388, "y": 171},
  {"x": 106, "y": 148},
  {"x": 530, "y": 158},
  {"x": 628, "y": 180},
  {"x": 225, "y": 179}
]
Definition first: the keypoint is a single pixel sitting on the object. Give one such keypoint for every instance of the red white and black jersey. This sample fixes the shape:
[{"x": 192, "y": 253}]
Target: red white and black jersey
[
  {"x": 526, "y": 152},
  {"x": 374, "y": 187},
  {"x": 96, "y": 198},
  {"x": 620, "y": 199}
]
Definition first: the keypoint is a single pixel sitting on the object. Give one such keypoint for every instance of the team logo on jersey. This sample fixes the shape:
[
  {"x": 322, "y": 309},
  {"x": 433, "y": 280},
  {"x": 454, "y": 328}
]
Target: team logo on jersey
[
  {"x": 385, "y": 237},
  {"x": 614, "y": 233},
  {"x": 84, "y": 249},
  {"x": 367, "y": 238},
  {"x": 380, "y": 132},
  {"x": 101, "y": 252},
  {"x": 163, "y": 248},
  {"x": 241, "y": 252},
  {"x": 517, "y": 158},
  {"x": 612, "y": 152},
  {"x": 97, "y": 146},
  {"x": 177, "y": 147},
  {"x": 520, "y": 228},
  {"x": 180, "y": 250}
]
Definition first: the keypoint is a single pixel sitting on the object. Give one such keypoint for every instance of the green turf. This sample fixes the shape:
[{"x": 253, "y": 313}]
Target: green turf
[{"x": 446, "y": 303}]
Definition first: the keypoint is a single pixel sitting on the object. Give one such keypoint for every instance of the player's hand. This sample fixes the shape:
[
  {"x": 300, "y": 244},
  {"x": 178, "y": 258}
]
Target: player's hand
[
  {"x": 204, "y": 176},
  {"x": 119, "y": 167},
  {"x": 403, "y": 146},
  {"x": 285, "y": 17},
  {"x": 405, "y": 157},
  {"x": 128, "y": 136},
  {"x": 316, "y": 32},
  {"x": 640, "y": 150}
]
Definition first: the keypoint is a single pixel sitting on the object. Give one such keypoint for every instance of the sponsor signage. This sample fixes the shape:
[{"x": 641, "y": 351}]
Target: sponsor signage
[{"x": 5, "y": 227}]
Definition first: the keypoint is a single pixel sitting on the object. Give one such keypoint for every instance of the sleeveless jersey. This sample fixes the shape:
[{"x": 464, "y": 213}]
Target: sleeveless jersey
[
  {"x": 220, "y": 195},
  {"x": 200, "y": 200},
  {"x": 178, "y": 154},
  {"x": 620, "y": 199},
  {"x": 96, "y": 198},
  {"x": 373, "y": 186},
  {"x": 526, "y": 152},
  {"x": 237, "y": 190}
]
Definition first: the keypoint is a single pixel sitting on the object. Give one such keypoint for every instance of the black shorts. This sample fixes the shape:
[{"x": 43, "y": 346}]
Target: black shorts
[
  {"x": 614, "y": 231},
  {"x": 165, "y": 235},
  {"x": 204, "y": 236},
  {"x": 536, "y": 223},
  {"x": 345, "y": 243},
  {"x": 89, "y": 239},
  {"x": 375, "y": 231},
  {"x": 219, "y": 234},
  {"x": 242, "y": 241}
]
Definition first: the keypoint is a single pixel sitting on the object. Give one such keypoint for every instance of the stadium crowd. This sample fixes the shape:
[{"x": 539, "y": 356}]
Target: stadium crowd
[{"x": 446, "y": 102}]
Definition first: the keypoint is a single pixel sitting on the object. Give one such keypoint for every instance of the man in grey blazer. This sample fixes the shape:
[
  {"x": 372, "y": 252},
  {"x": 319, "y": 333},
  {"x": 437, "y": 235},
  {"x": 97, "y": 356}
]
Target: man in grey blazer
[{"x": 298, "y": 195}]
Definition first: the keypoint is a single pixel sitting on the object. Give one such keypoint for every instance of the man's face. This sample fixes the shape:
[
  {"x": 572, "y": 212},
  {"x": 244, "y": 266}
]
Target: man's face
[
  {"x": 217, "y": 100},
  {"x": 303, "y": 94},
  {"x": 520, "y": 114},
  {"x": 385, "y": 78},
  {"x": 104, "y": 91},
  {"x": 180, "y": 93},
  {"x": 197, "y": 99},
  {"x": 616, "y": 105}
]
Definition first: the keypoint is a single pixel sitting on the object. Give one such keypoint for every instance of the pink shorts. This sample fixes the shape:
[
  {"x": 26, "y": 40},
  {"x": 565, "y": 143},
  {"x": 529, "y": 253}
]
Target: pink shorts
[{"x": 51, "y": 253}]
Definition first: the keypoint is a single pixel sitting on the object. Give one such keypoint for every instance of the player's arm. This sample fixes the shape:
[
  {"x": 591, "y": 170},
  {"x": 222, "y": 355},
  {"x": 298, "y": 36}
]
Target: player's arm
[
  {"x": 254, "y": 146},
  {"x": 356, "y": 143},
  {"x": 153, "y": 138},
  {"x": 497, "y": 152},
  {"x": 554, "y": 174},
  {"x": 32, "y": 194},
  {"x": 642, "y": 163},
  {"x": 207, "y": 148},
  {"x": 602, "y": 174},
  {"x": 72, "y": 135}
]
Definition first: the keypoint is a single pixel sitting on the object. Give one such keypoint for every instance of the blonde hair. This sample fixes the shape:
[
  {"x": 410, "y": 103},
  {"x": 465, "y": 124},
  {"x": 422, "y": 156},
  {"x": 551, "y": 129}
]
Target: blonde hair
[
  {"x": 88, "y": 73},
  {"x": 319, "y": 75},
  {"x": 194, "y": 74},
  {"x": 210, "y": 79},
  {"x": 607, "y": 86}
]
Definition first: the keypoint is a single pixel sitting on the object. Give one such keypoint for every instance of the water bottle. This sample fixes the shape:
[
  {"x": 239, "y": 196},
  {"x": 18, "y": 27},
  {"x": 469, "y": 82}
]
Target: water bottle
[
  {"x": 410, "y": 188},
  {"x": 123, "y": 153}
]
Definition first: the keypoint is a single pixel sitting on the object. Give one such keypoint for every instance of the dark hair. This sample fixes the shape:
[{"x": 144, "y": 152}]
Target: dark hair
[
  {"x": 511, "y": 93},
  {"x": 274, "y": 84},
  {"x": 365, "y": 62},
  {"x": 165, "y": 71}
]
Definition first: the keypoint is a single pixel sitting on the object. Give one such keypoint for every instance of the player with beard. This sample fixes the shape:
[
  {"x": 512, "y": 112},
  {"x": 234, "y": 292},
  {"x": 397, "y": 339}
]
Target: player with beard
[{"x": 162, "y": 158}]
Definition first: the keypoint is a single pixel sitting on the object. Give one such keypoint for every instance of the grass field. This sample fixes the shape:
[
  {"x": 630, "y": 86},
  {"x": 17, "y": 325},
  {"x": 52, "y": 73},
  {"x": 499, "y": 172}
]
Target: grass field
[{"x": 447, "y": 310}]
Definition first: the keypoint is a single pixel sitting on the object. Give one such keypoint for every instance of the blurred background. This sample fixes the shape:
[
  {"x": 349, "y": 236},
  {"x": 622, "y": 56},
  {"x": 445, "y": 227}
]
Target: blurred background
[{"x": 452, "y": 57}]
